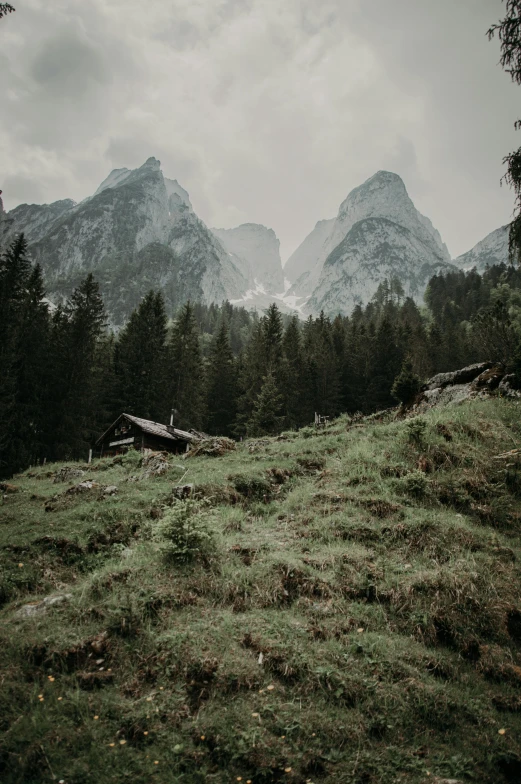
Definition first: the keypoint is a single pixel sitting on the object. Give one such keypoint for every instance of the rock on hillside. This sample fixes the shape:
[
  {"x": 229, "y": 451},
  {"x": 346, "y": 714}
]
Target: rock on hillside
[
  {"x": 138, "y": 231},
  {"x": 473, "y": 381},
  {"x": 378, "y": 232},
  {"x": 259, "y": 247},
  {"x": 493, "y": 249}
]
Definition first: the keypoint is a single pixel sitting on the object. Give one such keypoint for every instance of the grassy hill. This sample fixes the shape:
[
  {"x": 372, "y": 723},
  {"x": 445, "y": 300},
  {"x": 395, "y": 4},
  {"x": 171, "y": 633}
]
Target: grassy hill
[{"x": 336, "y": 605}]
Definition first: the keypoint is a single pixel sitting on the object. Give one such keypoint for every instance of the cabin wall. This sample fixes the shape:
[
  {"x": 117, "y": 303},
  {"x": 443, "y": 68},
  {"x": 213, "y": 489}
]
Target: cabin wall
[{"x": 127, "y": 435}]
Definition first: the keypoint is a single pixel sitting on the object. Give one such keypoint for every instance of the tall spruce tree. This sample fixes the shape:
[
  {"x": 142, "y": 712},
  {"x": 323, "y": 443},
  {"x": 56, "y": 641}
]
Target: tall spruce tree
[
  {"x": 325, "y": 370},
  {"x": 77, "y": 384},
  {"x": 24, "y": 322},
  {"x": 187, "y": 392},
  {"x": 295, "y": 381},
  {"x": 251, "y": 369},
  {"x": 221, "y": 396},
  {"x": 267, "y": 417},
  {"x": 141, "y": 366},
  {"x": 273, "y": 329}
]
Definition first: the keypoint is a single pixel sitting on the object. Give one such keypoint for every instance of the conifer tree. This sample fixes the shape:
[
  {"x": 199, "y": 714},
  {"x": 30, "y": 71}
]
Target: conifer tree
[
  {"x": 295, "y": 382},
  {"x": 23, "y": 327},
  {"x": 251, "y": 370},
  {"x": 221, "y": 385},
  {"x": 267, "y": 418},
  {"x": 406, "y": 384},
  {"x": 324, "y": 366},
  {"x": 272, "y": 333},
  {"x": 76, "y": 382},
  {"x": 141, "y": 362},
  {"x": 186, "y": 371}
]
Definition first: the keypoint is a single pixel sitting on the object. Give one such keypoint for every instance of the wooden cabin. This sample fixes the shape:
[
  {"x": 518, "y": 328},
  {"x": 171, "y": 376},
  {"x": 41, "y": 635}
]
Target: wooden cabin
[{"x": 131, "y": 432}]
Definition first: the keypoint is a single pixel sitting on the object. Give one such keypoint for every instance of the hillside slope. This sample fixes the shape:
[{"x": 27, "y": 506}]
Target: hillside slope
[{"x": 342, "y": 604}]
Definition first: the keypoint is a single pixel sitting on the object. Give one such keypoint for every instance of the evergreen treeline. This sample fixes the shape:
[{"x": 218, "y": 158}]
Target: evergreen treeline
[{"x": 65, "y": 377}]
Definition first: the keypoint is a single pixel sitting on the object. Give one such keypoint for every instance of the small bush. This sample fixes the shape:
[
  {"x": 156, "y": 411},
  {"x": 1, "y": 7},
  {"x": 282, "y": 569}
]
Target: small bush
[
  {"x": 130, "y": 459},
  {"x": 254, "y": 488},
  {"x": 416, "y": 429},
  {"x": 415, "y": 483},
  {"x": 184, "y": 534}
]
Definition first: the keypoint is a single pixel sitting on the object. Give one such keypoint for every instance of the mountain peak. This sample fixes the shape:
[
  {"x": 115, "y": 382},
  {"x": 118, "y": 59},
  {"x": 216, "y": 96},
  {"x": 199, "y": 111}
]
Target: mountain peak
[
  {"x": 151, "y": 163},
  {"x": 382, "y": 175}
]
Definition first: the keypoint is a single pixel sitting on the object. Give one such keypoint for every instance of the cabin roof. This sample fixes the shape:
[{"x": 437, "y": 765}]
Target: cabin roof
[{"x": 154, "y": 428}]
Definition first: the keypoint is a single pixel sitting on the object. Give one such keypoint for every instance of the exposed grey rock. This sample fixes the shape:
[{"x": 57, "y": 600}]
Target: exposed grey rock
[
  {"x": 378, "y": 234},
  {"x": 110, "y": 490},
  {"x": 67, "y": 473},
  {"x": 507, "y": 386},
  {"x": 462, "y": 376},
  {"x": 39, "y": 608},
  {"x": 137, "y": 232},
  {"x": 259, "y": 247},
  {"x": 314, "y": 247},
  {"x": 35, "y": 220},
  {"x": 493, "y": 249},
  {"x": 374, "y": 250},
  {"x": 82, "y": 487},
  {"x": 153, "y": 464}
]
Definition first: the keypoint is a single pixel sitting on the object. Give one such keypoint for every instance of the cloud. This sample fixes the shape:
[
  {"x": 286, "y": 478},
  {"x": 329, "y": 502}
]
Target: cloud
[{"x": 264, "y": 111}]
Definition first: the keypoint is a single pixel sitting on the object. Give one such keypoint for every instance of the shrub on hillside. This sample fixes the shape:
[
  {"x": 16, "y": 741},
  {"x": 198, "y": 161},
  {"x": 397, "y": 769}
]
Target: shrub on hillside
[
  {"x": 406, "y": 384},
  {"x": 416, "y": 429},
  {"x": 184, "y": 534}
]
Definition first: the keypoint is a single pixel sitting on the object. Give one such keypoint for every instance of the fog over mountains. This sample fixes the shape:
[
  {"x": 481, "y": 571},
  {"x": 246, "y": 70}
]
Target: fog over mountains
[{"x": 139, "y": 231}]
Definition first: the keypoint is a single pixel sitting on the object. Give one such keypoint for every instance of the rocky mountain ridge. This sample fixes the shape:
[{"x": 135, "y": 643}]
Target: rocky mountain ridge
[
  {"x": 492, "y": 249},
  {"x": 139, "y": 231},
  {"x": 377, "y": 234}
]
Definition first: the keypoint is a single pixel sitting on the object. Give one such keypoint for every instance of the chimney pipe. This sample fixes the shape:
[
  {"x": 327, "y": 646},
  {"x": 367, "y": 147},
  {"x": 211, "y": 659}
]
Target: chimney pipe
[{"x": 172, "y": 418}]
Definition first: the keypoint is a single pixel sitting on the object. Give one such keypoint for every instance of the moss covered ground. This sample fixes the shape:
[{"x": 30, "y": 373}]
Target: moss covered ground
[{"x": 334, "y": 605}]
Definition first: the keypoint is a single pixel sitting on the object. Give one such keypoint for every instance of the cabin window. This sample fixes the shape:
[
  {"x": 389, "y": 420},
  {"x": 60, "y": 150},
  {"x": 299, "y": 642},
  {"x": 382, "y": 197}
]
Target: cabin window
[{"x": 123, "y": 428}]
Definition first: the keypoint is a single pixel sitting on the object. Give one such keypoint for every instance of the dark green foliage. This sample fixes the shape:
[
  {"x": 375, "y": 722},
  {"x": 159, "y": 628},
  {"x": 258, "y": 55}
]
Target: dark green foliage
[
  {"x": 406, "y": 384},
  {"x": 24, "y": 331},
  {"x": 221, "y": 399},
  {"x": 225, "y": 370},
  {"x": 186, "y": 371},
  {"x": 267, "y": 418},
  {"x": 6, "y": 8},
  {"x": 509, "y": 33},
  {"x": 141, "y": 362},
  {"x": 77, "y": 384},
  {"x": 295, "y": 378}
]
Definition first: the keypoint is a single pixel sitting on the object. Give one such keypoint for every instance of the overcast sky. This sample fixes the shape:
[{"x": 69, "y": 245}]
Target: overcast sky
[{"x": 266, "y": 111}]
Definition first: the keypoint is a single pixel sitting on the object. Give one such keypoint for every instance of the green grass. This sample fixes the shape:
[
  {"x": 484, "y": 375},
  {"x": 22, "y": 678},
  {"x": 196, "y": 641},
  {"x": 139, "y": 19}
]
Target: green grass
[{"x": 338, "y": 605}]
